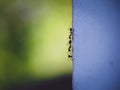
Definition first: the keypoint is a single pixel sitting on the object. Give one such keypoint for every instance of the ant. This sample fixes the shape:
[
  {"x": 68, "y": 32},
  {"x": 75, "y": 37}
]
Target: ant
[
  {"x": 70, "y": 44},
  {"x": 69, "y": 56}
]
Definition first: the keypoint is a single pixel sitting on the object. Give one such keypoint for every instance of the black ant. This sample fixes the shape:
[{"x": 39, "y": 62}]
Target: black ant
[
  {"x": 69, "y": 56},
  {"x": 70, "y": 44}
]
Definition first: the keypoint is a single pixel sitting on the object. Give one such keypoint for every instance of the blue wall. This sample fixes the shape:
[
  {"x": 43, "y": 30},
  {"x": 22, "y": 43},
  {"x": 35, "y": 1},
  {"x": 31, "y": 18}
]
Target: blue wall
[{"x": 96, "y": 45}]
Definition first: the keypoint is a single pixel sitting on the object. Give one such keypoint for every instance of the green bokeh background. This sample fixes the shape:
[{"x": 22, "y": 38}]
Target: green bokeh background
[{"x": 33, "y": 40}]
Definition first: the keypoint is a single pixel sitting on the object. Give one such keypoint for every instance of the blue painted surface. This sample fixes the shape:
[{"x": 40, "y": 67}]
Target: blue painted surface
[{"x": 96, "y": 45}]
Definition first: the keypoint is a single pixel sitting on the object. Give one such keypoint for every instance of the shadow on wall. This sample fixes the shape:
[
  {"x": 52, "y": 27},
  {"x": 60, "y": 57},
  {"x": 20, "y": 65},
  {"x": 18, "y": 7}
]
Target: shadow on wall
[{"x": 62, "y": 83}]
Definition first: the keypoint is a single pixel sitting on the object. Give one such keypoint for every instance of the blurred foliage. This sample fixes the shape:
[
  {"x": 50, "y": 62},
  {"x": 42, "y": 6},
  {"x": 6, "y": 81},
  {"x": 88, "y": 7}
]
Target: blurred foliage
[{"x": 33, "y": 38}]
